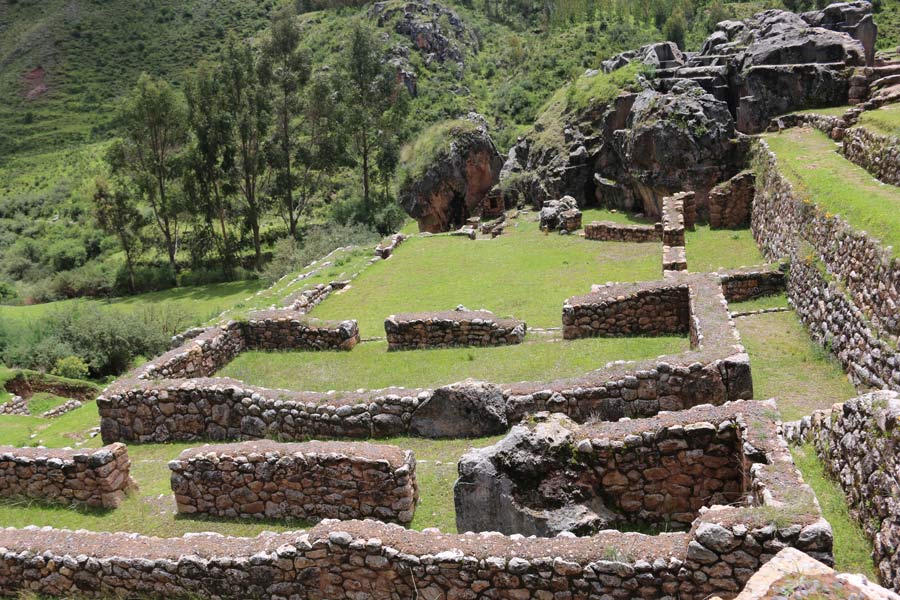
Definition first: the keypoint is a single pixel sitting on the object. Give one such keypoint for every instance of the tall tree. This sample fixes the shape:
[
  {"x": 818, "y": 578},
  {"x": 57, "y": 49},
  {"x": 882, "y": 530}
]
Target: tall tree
[
  {"x": 376, "y": 101},
  {"x": 117, "y": 214},
  {"x": 285, "y": 67},
  {"x": 152, "y": 120},
  {"x": 210, "y": 158},
  {"x": 248, "y": 106}
]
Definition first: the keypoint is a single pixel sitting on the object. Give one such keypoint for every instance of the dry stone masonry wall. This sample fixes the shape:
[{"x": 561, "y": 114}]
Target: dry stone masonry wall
[
  {"x": 859, "y": 444},
  {"x": 310, "y": 481},
  {"x": 285, "y": 330},
  {"x": 607, "y": 231},
  {"x": 455, "y": 328},
  {"x": 878, "y": 154},
  {"x": 649, "y": 308},
  {"x": 730, "y": 202},
  {"x": 98, "y": 478}
]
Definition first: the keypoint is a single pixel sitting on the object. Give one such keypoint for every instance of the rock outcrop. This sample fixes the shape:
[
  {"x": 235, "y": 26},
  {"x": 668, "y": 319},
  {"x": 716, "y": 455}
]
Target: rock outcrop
[{"x": 451, "y": 185}]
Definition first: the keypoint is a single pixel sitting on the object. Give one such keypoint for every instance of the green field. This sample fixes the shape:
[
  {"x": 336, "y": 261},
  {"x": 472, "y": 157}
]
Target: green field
[
  {"x": 780, "y": 350},
  {"x": 720, "y": 249},
  {"x": 819, "y": 174},
  {"x": 371, "y": 366},
  {"x": 884, "y": 120},
  {"x": 524, "y": 273}
]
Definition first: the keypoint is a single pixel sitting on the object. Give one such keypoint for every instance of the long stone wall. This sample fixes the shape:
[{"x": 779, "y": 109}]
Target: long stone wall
[
  {"x": 285, "y": 330},
  {"x": 730, "y": 202},
  {"x": 351, "y": 560},
  {"x": 452, "y": 328},
  {"x": 878, "y": 154},
  {"x": 783, "y": 220},
  {"x": 312, "y": 480},
  {"x": 98, "y": 478},
  {"x": 607, "y": 231},
  {"x": 616, "y": 310},
  {"x": 859, "y": 444},
  {"x": 741, "y": 285}
]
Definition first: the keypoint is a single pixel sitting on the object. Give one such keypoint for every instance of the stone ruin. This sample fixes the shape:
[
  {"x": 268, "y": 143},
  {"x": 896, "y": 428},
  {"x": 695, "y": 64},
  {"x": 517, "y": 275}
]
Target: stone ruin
[
  {"x": 94, "y": 478},
  {"x": 452, "y": 328},
  {"x": 311, "y": 481}
]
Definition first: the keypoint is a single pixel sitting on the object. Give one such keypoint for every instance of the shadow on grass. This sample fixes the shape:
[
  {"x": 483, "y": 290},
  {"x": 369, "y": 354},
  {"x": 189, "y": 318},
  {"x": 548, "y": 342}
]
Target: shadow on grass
[{"x": 299, "y": 524}]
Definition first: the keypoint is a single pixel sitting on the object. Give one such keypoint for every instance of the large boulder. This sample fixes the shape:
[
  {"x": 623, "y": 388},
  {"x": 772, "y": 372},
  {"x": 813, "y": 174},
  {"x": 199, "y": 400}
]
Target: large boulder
[
  {"x": 447, "y": 173},
  {"x": 681, "y": 140},
  {"x": 511, "y": 486},
  {"x": 462, "y": 410}
]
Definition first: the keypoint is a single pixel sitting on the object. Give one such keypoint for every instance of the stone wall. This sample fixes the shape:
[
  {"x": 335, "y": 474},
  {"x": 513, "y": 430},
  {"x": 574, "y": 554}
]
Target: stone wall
[
  {"x": 674, "y": 258},
  {"x": 310, "y": 481},
  {"x": 306, "y": 300},
  {"x": 285, "y": 330},
  {"x": 616, "y": 310},
  {"x": 859, "y": 444},
  {"x": 551, "y": 475},
  {"x": 878, "y": 154},
  {"x": 198, "y": 357},
  {"x": 673, "y": 219},
  {"x": 741, "y": 285},
  {"x": 452, "y": 328},
  {"x": 783, "y": 220},
  {"x": 384, "y": 250},
  {"x": 730, "y": 201},
  {"x": 97, "y": 478},
  {"x": 607, "y": 231},
  {"x": 351, "y": 560}
]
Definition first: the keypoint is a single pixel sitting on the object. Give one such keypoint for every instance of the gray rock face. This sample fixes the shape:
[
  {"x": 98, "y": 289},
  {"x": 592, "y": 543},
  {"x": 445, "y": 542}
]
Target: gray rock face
[
  {"x": 495, "y": 490},
  {"x": 461, "y": 410},
  {"x": 552, "y": 212},
  {"x": 453, "y": 186},
  {"x": 674, "y": 141},
  {"x": 853, "y": 18}
]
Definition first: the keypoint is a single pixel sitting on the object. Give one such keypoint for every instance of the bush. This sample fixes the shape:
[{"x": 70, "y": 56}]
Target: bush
[
  {"x": 7, "y": 291},
  {"x": 71, "y": 367}
]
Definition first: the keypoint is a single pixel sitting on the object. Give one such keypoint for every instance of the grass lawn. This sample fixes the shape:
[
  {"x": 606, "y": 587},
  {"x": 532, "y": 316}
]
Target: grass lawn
[
  {"x": 185, "y": 306},
  {"x": 616, "y": 216},
  {"x": 810, "y": 162},
  {"x": 523, "y": 273},
  {"x": 884, "y": 120},
  {"x": 371, "y": 366},
  {"x": 151, "y": 510},
  {"x": 776, "y": 301},
  {"x": 789, "y": 366},
  {"x": 852, "y": 551},
  {"x": 720, "y": 249},
  {"x": 831, "y": 111}
]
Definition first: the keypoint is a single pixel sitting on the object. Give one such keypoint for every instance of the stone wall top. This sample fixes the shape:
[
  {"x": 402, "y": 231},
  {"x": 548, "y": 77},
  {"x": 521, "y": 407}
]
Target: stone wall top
[{"x": 393, "y": 455}]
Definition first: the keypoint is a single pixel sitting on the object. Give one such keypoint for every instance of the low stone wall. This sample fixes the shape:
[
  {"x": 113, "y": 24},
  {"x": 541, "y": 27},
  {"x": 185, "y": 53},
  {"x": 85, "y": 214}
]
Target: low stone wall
[
  {"x": 607, "y": 231},
  {"x": 313, "y": 480},
  {"x": 878, "y": 154},
  {"x": 453, "y": 328},
  {"x": 859, "y": 444},
  {"x": 741, "y": 285},
  {"x": 17, "y": 405},
  {"x": 305, "y": 301},
  {"x": 97, "y": 478},
  {"x": 783, "y": 220},
  {"x": 199, "y": 357},
  {"x": 730, "y": 202},
  {"x": 284, "y": 330},
  {"x": 350, "y": 560},
  {"x": 673, "y": 221},
  {"x": 674, "y": 258},
  {"x": 384, "y": 250},
  {"x": 647, "y": 308}
]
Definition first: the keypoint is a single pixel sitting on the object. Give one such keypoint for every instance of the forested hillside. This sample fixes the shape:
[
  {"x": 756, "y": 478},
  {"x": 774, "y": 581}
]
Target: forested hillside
[{"x": 65, "y": 68}]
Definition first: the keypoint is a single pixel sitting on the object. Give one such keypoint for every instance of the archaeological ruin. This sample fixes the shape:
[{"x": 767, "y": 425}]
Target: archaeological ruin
[{"x": 665, "y": 477}]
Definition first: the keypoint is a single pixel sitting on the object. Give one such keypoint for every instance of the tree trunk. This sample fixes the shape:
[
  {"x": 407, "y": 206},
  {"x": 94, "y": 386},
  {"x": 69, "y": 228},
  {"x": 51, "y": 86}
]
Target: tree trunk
[
  {"x": 226, "y": 251},
  {"x": 256, "y": 245},
  {"x": 365, "y": 157}
]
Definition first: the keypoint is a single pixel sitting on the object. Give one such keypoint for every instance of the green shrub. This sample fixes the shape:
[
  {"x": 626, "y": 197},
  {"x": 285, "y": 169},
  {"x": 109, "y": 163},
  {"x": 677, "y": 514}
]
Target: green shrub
[
  {"x": 7, "y": 291},
  {"x": 71, "y": 367}
]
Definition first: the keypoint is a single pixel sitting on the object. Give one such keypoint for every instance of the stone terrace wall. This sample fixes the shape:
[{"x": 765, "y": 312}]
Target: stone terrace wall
[
  {"x": 782, "y": 221},
  {"x": 454, "y": 328},
  {"x": 98, "y": 478},
  {"x": 859, "y": 444},
  {"x": 284, "y": 330},
  {"x": 673, "y": 221},
  {"x": 616, "y": 310},
  {"x": 198, "y": 357},
  {"x": 607, "y": 231},
  {"x": 351, "y": 560},
  {"x": 313, "y": 480},
  {"x": 878, "y": 154}
]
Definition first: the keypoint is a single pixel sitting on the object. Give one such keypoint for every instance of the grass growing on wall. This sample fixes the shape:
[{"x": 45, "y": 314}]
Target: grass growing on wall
[
  {"x": 788, "y": 366},
  {"x": 808, "y": 158},
  {"x": 523, "y": 273},
  {"x": 852, "y": 550},
  {"x": 371, "y": 366}
]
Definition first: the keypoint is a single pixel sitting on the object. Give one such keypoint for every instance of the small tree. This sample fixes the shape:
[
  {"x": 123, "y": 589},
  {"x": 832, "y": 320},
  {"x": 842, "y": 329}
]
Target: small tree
[
  {"x": 117, "y": 215},
  {"x": 376, "y": 102},
  {"x": 248, "y": 107},
  {"x": 285, "y": 67},
  {"x": 153, "y": 125},
  {"x": 675, "y": 27}
]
